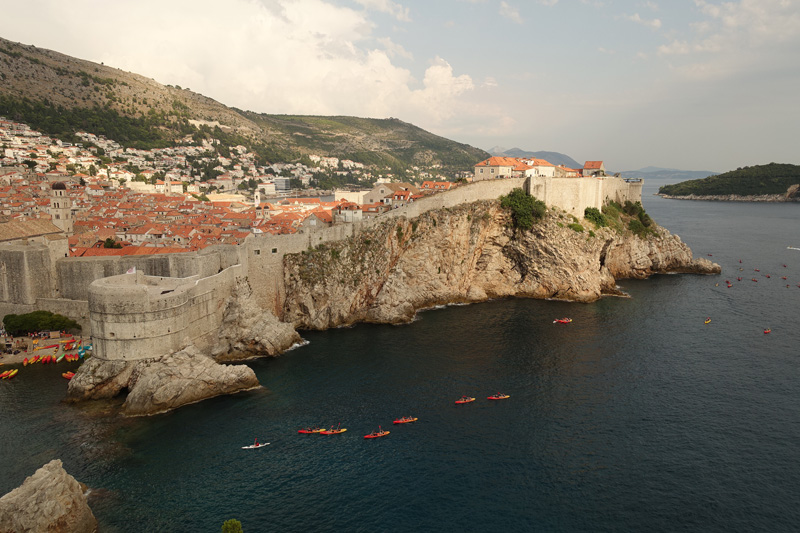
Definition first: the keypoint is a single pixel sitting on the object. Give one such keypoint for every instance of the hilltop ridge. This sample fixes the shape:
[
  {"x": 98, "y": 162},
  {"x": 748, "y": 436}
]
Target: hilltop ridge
[{"x": 60, "y": 95}]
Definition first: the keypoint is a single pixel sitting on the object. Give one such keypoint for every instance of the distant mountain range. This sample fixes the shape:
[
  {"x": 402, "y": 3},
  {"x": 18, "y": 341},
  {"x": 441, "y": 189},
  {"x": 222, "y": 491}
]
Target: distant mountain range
[
  {"x": 658, "y": 173},
  {"x": 60, "y": 95}
]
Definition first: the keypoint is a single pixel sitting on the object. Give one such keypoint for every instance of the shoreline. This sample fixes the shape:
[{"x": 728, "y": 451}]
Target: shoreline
[
  {"x": 10, "y": 359},
  {"x": 764, "y": 198}
]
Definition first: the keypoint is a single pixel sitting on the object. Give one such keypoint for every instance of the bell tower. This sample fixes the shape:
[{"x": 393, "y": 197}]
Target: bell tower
[{"x": 61, "y": 207}]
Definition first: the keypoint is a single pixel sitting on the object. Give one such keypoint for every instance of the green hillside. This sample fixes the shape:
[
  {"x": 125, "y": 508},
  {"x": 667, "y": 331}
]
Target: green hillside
[
  {"x": 60, "y": 95},
  {"x": 773, "y": 178}
]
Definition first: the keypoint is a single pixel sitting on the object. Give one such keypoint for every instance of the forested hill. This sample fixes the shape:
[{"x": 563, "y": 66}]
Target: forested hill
[
  {"x": 758, "y": 180},
  {"x": 60, "y": 95}
]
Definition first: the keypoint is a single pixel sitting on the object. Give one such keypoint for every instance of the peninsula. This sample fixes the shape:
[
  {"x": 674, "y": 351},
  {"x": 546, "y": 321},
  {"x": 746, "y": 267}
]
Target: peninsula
[{"x": 761, "y": 183}]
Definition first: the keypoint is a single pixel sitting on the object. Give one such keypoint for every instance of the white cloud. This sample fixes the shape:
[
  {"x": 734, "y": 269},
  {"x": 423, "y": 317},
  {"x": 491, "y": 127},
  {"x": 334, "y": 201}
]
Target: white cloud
[
  {"x": 653, "y": 23},
  {"x": 673, "y": 48},
  {"x": 651, "y": 5},
  {"x": 394, "y": 49},
  {"x": 548, "y": 3},
  {"x": 510, "y": 12},
  {"x": 387, "y": 6}
]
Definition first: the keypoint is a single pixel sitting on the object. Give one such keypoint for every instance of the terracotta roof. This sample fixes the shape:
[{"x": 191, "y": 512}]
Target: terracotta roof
[
  {"x": 593, "y": 164},
  {"x": 25, "y": 229}
]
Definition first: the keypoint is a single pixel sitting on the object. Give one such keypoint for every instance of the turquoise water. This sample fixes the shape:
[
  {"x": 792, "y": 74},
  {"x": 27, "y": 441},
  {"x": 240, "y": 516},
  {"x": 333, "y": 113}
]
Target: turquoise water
[{"x": 635, "y": 417}]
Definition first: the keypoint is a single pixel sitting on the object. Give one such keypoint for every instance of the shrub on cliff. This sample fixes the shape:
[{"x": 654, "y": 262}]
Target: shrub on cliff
[
  {"x": 598, "y": 218},
  {"x": 18, "y": 325},
  {"x": 525, "y": 209}
]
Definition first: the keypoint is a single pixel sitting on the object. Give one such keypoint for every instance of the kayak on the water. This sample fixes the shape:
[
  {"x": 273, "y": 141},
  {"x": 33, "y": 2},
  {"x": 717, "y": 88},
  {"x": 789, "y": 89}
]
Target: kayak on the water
[
  {"x": 498, "y": 396},
  {"x": 310, "y": 430},
  {"x": 465, "y": 399},
  {"x": 332, "y": 431},
  {"x": 564, "y": 320},
  {"x": 708, "y": 320},
  {"x": 255, "y": 445},
  {"x": 405, "y": 420},
  {"x": 375, "y": 434},
  {"x": 767, "y": 331}
]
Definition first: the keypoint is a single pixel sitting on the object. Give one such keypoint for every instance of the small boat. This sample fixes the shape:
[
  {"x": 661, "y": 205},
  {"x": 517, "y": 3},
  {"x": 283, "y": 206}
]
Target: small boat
[
  {"x": 376, "y": 434},
  {"x": 332, "y": 431},
  {"x": 740, "y": 260},
  {"x": 709, "y": 255},
  {"x": 465, "y": 399},
  {"x": 783, "y": 277},
  {"x": 68, "y": 375},
  {"x": 60, "y": 357},
  {"x": 754, "y": 279},
  {"x": 757, "y": 270},
  {"x": 309, "y": 431},
  {"x": 255, "y": 445},
  {"x": 564, "y": 320},
  {"x": 766, "y": 275},
  {"x": 405, "y": 420},
  {"x": 5, "y": 374},
  {"x": 12, "y": 374},
  {"x": 767, "y": 331},
  {"x": 739, "y": 279},
  {"x": 498, "y": 396},
  {"x": 25, "y": 361}
]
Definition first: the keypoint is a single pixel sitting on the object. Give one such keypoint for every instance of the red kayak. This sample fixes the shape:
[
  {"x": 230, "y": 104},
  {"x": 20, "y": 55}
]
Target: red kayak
[
  {"x": 465, "y": 399},
  {"x": 309, "y": 431},
  {"x": 377, "y": 434},
  {"x": 562, "y": 320},
  {"x": 405, "y": 420},
  {"x": 498, "y": 396}
]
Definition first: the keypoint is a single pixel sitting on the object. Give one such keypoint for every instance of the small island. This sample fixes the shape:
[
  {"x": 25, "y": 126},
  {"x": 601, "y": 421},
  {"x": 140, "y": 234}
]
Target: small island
[{"x": 774, "y": 182}]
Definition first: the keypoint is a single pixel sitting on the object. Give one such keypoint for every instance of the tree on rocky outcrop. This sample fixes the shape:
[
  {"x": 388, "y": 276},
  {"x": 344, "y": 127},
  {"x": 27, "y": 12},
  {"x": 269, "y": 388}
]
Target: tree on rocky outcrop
[
  {"x": 232, "y": 526},
  {"x": 525, "y": 209}
]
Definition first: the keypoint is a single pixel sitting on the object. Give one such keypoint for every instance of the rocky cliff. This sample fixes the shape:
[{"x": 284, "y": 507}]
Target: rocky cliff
[
  {"x": 48, "y": 501},
  {"x": 469, "y": 254},
  {"x": 385, "y": 274}
]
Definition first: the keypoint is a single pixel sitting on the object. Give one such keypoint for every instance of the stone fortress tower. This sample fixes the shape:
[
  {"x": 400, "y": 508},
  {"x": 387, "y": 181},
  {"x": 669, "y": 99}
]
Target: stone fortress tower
[{"x": 61, "y": 207}]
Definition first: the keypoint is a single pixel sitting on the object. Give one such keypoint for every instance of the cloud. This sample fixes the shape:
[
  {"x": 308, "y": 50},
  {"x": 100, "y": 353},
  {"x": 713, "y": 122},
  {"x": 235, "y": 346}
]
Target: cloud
[
  {"x": 387, "y": 6},
  {"x": 654, "y": 23},
  {"x": 509, "y": 12},
  {"x": 271, "y": 56},
  {"x": 394, "y": 49},
  {"x": 548, "y": 3}
]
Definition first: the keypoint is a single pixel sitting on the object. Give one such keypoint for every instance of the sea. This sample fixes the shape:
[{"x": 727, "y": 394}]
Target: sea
[{"x": 637, "y": 416}]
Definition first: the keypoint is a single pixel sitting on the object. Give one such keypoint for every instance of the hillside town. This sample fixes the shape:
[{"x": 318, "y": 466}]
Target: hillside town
[{"x": 111, "y": 200}]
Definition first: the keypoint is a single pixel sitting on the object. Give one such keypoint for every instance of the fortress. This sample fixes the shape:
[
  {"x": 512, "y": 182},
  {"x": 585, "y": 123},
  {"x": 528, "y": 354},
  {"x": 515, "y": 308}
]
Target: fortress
[{"x": 169, "y": 301}]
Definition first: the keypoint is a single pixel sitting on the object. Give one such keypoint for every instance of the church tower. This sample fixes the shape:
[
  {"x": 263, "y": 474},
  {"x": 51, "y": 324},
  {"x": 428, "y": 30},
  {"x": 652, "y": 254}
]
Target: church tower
[{"x": 61, "y": 207}]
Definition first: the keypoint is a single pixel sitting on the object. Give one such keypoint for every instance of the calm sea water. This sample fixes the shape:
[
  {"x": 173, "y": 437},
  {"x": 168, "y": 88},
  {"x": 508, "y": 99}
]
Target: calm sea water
[{"x": 635, "y": 417}]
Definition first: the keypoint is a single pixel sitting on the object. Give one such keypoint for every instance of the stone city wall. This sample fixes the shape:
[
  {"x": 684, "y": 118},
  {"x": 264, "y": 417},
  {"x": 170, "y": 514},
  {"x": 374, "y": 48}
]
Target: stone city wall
[
  {"x": 134, "y": 316},
  {"x": 574, "y": 195}
]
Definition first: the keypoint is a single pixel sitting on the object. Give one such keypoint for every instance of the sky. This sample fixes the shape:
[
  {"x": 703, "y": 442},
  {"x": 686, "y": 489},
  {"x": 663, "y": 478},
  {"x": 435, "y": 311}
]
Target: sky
[{"x": 689, "y": 84}]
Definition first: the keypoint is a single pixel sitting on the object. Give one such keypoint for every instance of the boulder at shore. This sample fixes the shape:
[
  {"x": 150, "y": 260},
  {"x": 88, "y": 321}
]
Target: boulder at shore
[{"x": 48, "y": 501}]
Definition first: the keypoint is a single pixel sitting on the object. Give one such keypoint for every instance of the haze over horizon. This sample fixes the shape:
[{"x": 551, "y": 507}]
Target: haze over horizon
[{"x": 694, "y": 85}]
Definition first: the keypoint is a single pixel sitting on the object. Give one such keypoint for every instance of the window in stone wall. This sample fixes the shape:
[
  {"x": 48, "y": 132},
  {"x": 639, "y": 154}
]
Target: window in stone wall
[
  {"x": 257, "y": 252},
  {"x": 274, "y": 250}
]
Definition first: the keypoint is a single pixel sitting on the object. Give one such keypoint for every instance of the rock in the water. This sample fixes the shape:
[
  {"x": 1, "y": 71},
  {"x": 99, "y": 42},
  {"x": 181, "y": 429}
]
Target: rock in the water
[
  {"x": 162, "y": 384},
  {"x": 182, "y": 378},
  {"x": 48, "y": 501}
]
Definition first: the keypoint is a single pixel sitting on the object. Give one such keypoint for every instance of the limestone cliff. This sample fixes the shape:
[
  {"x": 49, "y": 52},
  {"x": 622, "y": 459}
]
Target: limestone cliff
[
  {"x": 468, "y": 254},
  {"x": 48, "y": 501}
]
